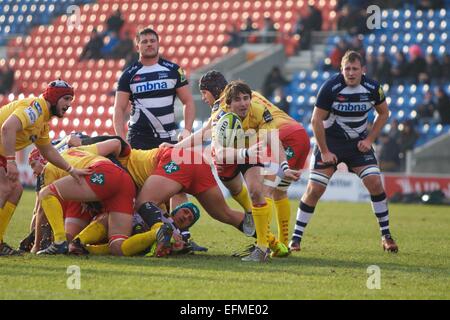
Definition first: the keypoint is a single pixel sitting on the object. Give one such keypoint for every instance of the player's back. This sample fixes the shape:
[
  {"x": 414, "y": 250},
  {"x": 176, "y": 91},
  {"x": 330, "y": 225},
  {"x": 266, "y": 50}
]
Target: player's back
[
  {"x": 140, "y": 164},
  {"x": 78, "y": 157}
]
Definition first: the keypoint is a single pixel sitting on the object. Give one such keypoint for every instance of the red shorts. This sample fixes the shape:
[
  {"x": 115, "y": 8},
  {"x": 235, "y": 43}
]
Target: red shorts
[
  {"x": 296, "y": 143},
  {"x": 2, "y": 162},
  {"x": 187, "y": 168},
  {"x": 113, "y": 186},
  {"x": 76, "y": 210}
]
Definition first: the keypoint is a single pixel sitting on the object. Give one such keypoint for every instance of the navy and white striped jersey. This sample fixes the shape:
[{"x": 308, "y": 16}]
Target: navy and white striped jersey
[
  {"x": 348, "y": 106},
  {"x": 152, "y": 94}
]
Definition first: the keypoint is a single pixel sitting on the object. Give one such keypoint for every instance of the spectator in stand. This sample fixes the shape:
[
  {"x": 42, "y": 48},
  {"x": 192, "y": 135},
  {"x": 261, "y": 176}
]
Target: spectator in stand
[
  {"x": 111, "y": 41},
  {"x": 306, "y": 25},
  {"x": 358, "y": 45},
  {"x": 443, "y": 105},
  {"x": 433, "y": 70},
  {"x": 248, "y": 31},
  {"x": 6, "y": 78},
  {"x": 417, "y": 65},
  {"x": 268, "y": 33},
  {"x": 123, "y": 47},
  {"x": 371, "y": 65},
  {"x": 445, "y": 67},
  {"x": 347, "y": 19},
  {"x": 360, "y": 23},
  {"x": 400, "y": 69},
  {"x": 425, "y": 111},
  {"x": 337, "y": 54},
  {"x": 407, "y": 139},
  {"x": 93, "y": 48},
  {"x": 273, "y": 81},
  {"x": 394, "y": 133},
  {"x": 115, "y": 23},
  {"x": 383, "y": 70},
  {"x": 280, "y": 100},
  {"x": 388, "y": 154},
  {"x": 429, "y": 4},
  {"x": 131, "y": 58},
  {"x": 235, "y": 39}
]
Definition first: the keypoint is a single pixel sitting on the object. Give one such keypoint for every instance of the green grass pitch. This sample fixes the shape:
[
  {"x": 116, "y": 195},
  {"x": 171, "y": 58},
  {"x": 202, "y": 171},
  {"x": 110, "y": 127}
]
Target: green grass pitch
[{"x": 340, "y": 243}]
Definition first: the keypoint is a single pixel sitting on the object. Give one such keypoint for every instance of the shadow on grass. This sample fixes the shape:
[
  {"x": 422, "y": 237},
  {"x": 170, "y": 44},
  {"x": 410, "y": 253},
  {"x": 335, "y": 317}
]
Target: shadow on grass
[{"x": 293, "y": 265}]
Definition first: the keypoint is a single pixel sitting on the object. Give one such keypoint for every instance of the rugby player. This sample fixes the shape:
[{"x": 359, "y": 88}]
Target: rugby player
[
  {"x": 106, "y": 183},
  {"x": 151, "y": 84},
  {"x": 22, "y": 123},
  {"x": 340, "y": 127}
]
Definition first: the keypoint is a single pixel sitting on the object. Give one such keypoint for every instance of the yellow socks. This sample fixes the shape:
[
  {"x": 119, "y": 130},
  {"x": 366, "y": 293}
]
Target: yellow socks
[
  {"x": 54, "y": 213},
  {"x": 243, "y": 198},
  {"x": 271, "y": 207},
  {"x": 283, "y": 216},
  {"x": 100, "y": 249},
  {"x": 141, "y": 241},
  {"x": 260, "y": 216},
  {"x": 5, "y": 217},
  {"x": 95, "y": 232}
]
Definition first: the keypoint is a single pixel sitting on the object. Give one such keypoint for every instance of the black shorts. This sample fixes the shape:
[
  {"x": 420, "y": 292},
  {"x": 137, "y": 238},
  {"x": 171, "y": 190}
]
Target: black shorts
[
  {"x": 145, "y": 141},
  {"x": 346, "y": 152}
]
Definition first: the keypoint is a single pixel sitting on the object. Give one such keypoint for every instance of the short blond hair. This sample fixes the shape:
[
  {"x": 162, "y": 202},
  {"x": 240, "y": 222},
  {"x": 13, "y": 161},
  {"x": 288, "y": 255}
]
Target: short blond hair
[{"x": 352, "y": 56}]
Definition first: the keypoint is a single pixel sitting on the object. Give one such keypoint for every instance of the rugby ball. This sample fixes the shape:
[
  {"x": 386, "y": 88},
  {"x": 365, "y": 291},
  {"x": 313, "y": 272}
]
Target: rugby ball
[{"x": 228, "y": 130}]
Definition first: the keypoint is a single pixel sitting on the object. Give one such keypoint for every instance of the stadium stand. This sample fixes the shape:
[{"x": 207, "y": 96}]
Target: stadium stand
[
  {"x": 43, "y": 44},
  {"x": 401, "y": 29}
]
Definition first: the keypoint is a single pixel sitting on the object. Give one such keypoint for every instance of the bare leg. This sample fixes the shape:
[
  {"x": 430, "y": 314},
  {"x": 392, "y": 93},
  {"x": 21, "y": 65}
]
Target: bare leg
[{"x": 214, "y": 203}]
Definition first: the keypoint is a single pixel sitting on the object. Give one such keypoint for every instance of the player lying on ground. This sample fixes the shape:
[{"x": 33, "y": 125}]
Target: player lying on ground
[
  {"x": 76, "y": 214},
  {"x": 159, "y": 169},
  {"x": 107, "y": 183},
  {"x": 153, "y": 229}
]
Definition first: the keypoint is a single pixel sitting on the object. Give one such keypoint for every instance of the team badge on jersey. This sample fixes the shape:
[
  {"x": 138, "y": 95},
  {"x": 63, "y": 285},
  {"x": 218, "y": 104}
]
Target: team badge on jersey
[
  {"x": 32, "y": 114},
  {"x": 289, "y": 153},
  {"x": 182, "y": 75},
  {"x": 381, "y": 93},
  {"x": 267, "y": 116},
  {"x": 98, "y": 178},
  {"x": 171, "y": 167}
]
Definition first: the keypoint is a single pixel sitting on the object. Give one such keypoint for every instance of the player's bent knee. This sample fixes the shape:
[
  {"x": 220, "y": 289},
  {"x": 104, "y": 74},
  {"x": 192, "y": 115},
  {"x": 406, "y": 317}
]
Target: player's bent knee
[
  {"x": 46, "y": 191},
  {"x": 257, "y": 196},
  {"x": 115, "y": 244}
]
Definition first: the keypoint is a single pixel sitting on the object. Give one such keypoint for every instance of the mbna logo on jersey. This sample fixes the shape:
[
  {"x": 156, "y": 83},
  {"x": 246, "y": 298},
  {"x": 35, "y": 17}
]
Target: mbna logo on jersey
[
  {"x": 351, "y": 107},
  {"x": 151, "y": 86}
]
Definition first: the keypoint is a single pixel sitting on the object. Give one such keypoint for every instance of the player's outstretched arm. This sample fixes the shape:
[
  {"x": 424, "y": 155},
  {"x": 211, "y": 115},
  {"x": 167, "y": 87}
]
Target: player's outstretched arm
[
  {"x": 192, "y": 140},
  {"x": 185, "y": 96},
  {"x": 53, "y": 156}
]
